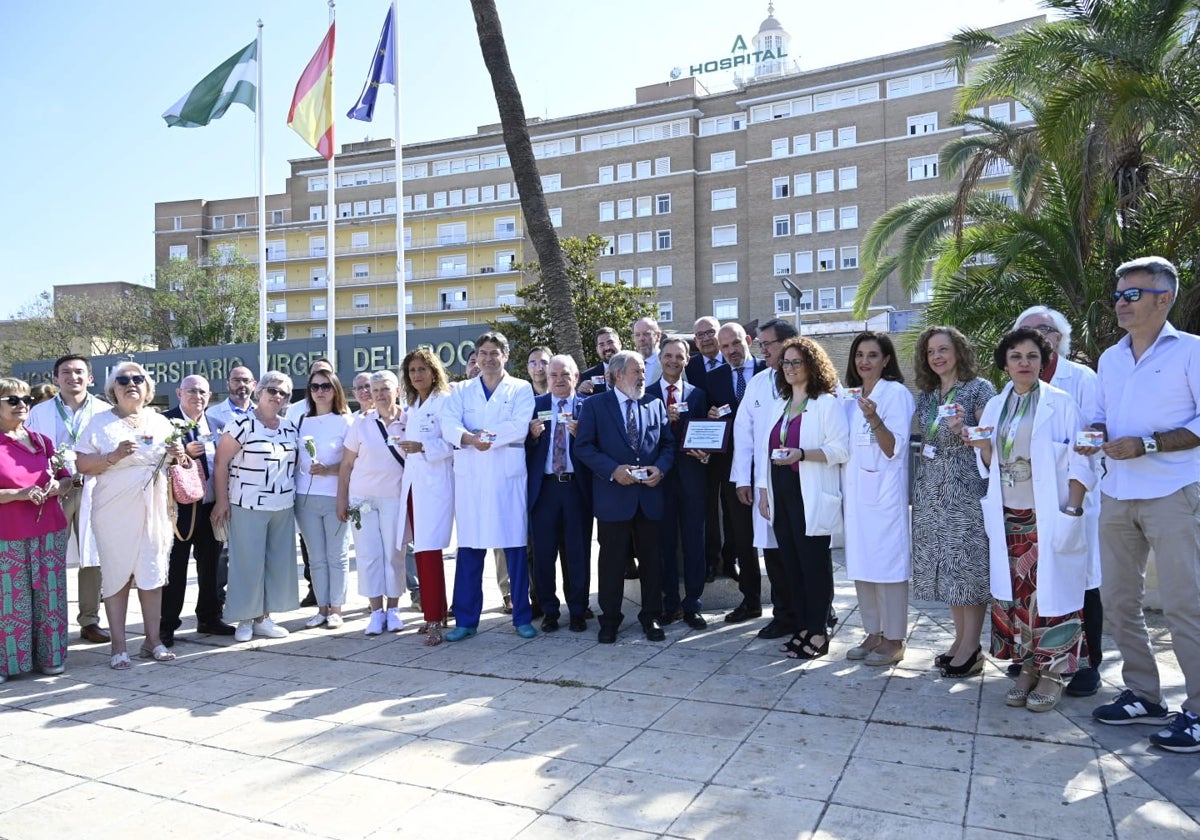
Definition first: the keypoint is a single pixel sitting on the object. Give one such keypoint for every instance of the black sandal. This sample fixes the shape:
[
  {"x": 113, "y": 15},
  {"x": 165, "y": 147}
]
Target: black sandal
[
  {"x": 807, "y": 651},
  {"x": 794, "y": 645},
  {"x": 942, "y": 660},
  {"x": 970, "y": 668}
]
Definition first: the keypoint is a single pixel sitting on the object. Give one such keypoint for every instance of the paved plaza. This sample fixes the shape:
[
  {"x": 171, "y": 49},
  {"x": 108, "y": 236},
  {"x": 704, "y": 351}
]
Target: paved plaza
[{"x": 711, "y": 734}]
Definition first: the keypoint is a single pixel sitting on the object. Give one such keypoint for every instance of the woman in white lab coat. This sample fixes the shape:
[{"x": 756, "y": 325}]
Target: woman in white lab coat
[
  {"x": 879, "y": 411},
  {"x": 487, "y": 418},
  {"x": 1033, "y": 515},
  {"x": 427, "y": 493}
]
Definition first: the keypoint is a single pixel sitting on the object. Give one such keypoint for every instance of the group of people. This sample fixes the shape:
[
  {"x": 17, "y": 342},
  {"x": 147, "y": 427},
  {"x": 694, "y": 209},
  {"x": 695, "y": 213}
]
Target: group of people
[{"x": 1034, "y": 505}]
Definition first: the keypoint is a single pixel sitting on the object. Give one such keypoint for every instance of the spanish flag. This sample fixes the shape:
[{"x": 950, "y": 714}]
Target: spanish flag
[{"x": 311, "y": 115}]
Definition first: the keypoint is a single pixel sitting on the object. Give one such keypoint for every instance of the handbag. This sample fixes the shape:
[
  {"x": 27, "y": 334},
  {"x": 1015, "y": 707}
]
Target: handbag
[{"x": 187, "y": 485}]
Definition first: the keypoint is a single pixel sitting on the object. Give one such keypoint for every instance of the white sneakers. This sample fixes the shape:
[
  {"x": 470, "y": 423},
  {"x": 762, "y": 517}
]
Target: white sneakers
[
  {"x": 267, "y": 628},
  {"x": 394, "y": 623},
  {"x": 245, "y": 629},
  {"x": 316, "y": 621},
  {"x": 376, "y": 623},
  {"x": 334, "y": 620}
]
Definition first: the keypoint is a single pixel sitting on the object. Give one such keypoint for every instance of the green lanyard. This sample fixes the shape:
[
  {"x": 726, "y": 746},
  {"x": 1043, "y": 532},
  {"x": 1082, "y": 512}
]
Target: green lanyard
[
  {"x": 74, "y": 425},
  {"x": 933, "y": 420},
  {"x": 787, "y": 412},
  {"x": 1009, "y": 432}
]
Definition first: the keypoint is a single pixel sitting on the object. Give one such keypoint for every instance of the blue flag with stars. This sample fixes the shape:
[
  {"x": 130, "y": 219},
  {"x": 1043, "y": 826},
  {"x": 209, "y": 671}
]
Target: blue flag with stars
[{"x": 382, "y": 72}]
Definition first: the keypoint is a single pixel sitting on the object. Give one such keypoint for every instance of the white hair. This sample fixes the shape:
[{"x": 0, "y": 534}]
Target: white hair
[{"x": 1060, "y": 323}]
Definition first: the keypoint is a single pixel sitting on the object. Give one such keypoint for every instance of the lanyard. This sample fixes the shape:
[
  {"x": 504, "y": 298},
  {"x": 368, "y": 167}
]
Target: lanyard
[
  {"x": 787, "y": 414},
  {"x": 1010, "y": 424},
  {"x": 74, "y": 425},
  {"x": 933, "y": 420}
]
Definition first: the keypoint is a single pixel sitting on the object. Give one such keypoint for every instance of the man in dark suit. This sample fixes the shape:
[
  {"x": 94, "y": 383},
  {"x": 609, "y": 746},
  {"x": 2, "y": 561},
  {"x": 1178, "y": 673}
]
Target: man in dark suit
[
  {"x": 193, "y": 527},
  {"x": 685, "y": 490},
  {"x": 726, "y": 386},
  {"x": 708, "y": 358},
  {"x": 625, "y": 440},
  {"x": 594, "y": 380},
  {"x": 560, "y": 498}
]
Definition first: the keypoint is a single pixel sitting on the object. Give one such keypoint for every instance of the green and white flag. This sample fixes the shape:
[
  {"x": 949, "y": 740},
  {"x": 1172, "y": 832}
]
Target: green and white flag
[{"x": 234, "y": 81}]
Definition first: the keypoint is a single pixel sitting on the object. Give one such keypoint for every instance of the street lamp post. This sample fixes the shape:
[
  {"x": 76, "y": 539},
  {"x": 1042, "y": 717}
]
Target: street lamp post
[{"x": 794, "y": 292}]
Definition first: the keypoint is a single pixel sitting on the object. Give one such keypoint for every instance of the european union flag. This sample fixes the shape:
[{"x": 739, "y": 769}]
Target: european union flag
[{"x": 382, "y": 72}]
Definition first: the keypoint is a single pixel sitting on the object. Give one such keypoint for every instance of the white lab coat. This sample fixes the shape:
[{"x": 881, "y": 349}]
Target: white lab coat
[
  {"x": 878, "y": 544},
  {"x": 824, "y": 428},
  {"x": 43, "y": 419},
  {"x": 1080, "y": 382},
  {"x": 750, "y": 429},
  {"x": 1062, "y": 538},
  {"x": 490, "y": 487},
  {"x": 430, "y": 476}
]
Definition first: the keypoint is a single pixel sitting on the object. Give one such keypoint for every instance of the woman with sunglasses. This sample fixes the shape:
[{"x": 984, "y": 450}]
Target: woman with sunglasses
[
  {"x": 323, "y": 428},
  {"x": 33, "y": 543},
  {"x": 426, "y": 516},
  {"x": 131, "y": 509},
  {"x": 255, "y": 489},
  {"x": 800, "y": 494}
]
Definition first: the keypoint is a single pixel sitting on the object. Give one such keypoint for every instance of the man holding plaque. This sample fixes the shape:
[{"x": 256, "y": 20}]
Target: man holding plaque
[
  {"x": 625, "y": 439},
  {"x": 726, "y": 387},
  {"x": 685, "y": 488}
]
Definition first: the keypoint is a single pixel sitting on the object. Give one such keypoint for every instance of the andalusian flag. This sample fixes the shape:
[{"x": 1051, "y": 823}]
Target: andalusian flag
[
  {"x": 311, "y": 115},
  {"x": 232, "y": 82}
]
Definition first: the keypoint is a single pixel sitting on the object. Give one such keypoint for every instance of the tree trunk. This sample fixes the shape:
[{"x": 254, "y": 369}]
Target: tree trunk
[{"x": 529, "y": 181}]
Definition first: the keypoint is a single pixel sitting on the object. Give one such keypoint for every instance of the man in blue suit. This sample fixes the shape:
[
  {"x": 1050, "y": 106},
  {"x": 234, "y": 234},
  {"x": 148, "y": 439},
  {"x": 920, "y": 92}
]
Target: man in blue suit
[
  {"x": 685, "y": 490},
  {"x": 560, "y": 498},
  {"x": 624, "y": 438}
]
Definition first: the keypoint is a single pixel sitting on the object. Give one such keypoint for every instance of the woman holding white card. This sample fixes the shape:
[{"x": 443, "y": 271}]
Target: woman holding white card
[
  {"x": 950, "y": 549},
  {"x": 1033, "y": 514},
  {"x": 879, "y": 412}
]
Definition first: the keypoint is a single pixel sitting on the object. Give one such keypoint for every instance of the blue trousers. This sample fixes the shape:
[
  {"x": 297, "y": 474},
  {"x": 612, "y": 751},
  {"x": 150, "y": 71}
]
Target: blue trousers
[{"x": 468, "y": 585}]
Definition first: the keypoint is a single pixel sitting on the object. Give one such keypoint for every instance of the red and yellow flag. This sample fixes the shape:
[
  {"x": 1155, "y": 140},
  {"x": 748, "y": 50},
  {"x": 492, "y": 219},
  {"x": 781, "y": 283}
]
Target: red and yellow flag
[{"x": 311, "y": 115}]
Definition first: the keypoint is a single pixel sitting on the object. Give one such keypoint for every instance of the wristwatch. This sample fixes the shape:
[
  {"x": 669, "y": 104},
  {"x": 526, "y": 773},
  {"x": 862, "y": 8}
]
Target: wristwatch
[
  {"x": 1073, "y": 511},
  {"x": 1150, "y": 444}
]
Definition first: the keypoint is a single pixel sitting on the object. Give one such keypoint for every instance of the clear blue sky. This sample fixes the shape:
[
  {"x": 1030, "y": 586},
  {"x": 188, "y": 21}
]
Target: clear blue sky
[{"x": 84, "y": 84}]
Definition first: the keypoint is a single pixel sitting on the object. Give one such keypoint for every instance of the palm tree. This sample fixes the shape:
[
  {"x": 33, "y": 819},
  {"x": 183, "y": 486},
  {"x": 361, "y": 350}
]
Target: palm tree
[{"x": 529, "y": 182}]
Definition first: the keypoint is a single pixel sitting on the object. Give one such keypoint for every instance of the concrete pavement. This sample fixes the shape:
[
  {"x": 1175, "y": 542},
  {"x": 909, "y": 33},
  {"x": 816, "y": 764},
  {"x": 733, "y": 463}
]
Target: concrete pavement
[{"x": 710, "y": 734}]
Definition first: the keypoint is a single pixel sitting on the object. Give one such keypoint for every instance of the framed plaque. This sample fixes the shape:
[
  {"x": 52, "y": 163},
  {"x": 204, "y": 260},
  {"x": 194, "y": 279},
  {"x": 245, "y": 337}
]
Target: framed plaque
[{"x": 707, "y": 435}]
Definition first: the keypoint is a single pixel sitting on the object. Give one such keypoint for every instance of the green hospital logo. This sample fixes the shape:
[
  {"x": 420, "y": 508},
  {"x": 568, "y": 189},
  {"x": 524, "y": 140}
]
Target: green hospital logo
[{"x": 740, "y": 55}]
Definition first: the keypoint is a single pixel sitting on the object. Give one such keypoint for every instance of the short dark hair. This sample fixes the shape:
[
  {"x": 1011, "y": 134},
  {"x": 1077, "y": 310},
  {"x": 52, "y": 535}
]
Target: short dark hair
[
  {"x": 822, "y": 376},
  {"x": 606, "y": 331},
  {"x": 966, "y": 368},
  {"x": 72, "y": 357},
  {"x": 541, "y": 348},
  {"x": 891, "y": 371},
  {"x": 1021, "y": 334},
  {"x": 493, "y": 337},
  {"x": 783, "y": 329}
]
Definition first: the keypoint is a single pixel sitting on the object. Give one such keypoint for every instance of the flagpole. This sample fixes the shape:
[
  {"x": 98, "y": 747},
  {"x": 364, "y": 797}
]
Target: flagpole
[
  {"x": 330, "y": 281},
  {"x": 262, "y": 215},
  {"x": 401, "y": 309}
]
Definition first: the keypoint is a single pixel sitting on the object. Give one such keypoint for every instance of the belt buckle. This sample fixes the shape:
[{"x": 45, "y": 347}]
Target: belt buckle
[{"x": 563, "y": 478}]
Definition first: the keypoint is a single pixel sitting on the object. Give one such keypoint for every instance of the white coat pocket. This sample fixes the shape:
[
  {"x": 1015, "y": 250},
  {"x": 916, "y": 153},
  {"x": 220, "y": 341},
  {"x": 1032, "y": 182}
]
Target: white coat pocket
[
  {"x": 1070, "y": 534},
  {"x": 870, "y": 486}
]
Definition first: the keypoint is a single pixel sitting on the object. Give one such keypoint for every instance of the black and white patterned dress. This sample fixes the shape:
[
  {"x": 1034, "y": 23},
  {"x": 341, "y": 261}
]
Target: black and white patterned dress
[
  {"x": 262, "y": 474},
  {"x": 950, "y": 548}
]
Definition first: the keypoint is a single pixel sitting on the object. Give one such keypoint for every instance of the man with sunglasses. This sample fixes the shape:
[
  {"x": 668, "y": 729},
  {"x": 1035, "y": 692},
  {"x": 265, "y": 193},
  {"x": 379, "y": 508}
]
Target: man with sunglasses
[
  {"x": 63, "y": 419},
  {"x": 1149, "y": 412}
]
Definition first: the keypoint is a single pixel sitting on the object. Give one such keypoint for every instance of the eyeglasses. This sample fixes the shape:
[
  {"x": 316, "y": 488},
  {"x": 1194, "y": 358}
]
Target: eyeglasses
[
  {"x": 320, "y": 386},
  {"x": 241, "y": 380},
  {"x": 707, "y": 334},
  {"x": 276, "y": 392},
  {"x": 13, "y": 400},
  {"x": 766, "y": 344},
  {"x": 538, "y": 363},
  {"x": 366, "y": 386},
  {"x": 136, "y": 379},
  {"x": 792, "y": 363},
  {"x": 1045, "y": 330},
  {"x": 1134, "y": 295},
  {"x": 196, "y": 392}
]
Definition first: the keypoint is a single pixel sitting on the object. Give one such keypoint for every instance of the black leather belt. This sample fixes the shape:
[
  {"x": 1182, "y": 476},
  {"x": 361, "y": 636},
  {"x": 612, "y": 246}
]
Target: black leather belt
[{"x": 561, "y": 478}]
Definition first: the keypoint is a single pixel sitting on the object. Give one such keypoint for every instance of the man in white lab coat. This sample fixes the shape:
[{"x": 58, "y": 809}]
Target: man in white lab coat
[{"x": 487, "y": 419}]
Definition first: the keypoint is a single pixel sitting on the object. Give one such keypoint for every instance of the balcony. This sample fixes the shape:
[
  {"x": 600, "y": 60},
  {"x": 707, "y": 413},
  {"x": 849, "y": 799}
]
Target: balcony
[
  {"x": 490, "y": 271},
  {"x": 388, "y": 247},
  {"x": 389, "y": 310}
]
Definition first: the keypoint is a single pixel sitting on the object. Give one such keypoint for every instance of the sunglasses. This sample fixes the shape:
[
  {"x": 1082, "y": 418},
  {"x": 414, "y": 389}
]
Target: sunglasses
[
  {"x": 320, "y": 386},
  {"x": 1134, "y": 295},
  {"x": 136, "y": 379},
  {"x": 15, "y": 401},
  {"x": 276, "y": 392}
]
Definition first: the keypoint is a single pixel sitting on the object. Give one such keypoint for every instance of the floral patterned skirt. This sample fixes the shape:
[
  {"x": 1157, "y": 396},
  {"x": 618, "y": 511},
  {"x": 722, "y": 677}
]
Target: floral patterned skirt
[
  {"x": 33, "y": 603},
  {"x": 1019, "y": 633}
]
